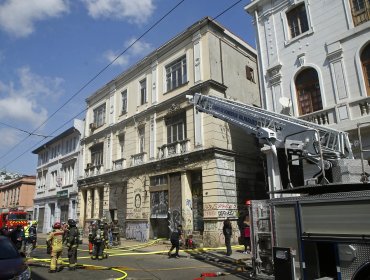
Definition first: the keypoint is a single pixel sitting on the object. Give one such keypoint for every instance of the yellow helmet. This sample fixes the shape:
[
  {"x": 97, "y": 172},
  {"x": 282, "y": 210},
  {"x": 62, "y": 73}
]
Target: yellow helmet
[{"x": 34, "y": 223}]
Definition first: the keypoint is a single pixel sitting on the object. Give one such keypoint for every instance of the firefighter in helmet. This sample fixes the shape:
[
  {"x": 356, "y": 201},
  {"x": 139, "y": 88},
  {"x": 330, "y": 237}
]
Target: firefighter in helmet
[
  {"x": 72, "y": 239},
  {"x": 55, "y": 239},
  {"x": 99, "y": 238}
]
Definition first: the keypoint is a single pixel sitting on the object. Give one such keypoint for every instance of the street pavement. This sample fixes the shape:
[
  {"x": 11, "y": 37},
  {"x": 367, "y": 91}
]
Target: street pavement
[{"x": 143, "y": 261}]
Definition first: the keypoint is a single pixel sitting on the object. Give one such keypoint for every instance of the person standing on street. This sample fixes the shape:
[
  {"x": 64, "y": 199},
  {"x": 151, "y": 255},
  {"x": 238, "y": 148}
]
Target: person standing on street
[
  {"x": 72, "y": 239},
  {"x": 246, "y": 235},
  {"x": 176, "y": 236},
  {"x": 115, "y": 233},
  {"x": 30, "y": 238},
  {"x": 55, "y": 238},
  {"x": 99, "y": 237},
  {"x": 17, "y": 237},
  {"x": 227, "y": 231}
]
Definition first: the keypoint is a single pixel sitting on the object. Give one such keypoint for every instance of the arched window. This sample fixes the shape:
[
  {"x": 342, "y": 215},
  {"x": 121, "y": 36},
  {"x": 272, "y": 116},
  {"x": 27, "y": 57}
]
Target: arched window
[
  {"x": 365, "y": 61},
  {"x": 308, "y": 91}
]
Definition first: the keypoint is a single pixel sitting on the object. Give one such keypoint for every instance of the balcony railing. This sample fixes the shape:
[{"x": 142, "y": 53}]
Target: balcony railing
[
  {"x": 119, "y": 164},
  {"x": 174, "y": 149},
  {"x": 93, "y": 170},
  {"x": 138, "y": 159},
  {"x": 353, "y": 110}
]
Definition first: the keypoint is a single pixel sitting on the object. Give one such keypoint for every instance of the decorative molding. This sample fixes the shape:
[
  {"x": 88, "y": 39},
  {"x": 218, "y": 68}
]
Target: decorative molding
[
  {"x": 301, "y": 59},
  {"x": 274, "y": 75},
  {"x": 175, "y": 108}
]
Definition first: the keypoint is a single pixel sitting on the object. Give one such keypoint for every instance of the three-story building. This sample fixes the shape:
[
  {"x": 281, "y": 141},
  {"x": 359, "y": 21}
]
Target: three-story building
[
  {"x": 58, "y": 167},
  {"x": 151, "y": 161}
]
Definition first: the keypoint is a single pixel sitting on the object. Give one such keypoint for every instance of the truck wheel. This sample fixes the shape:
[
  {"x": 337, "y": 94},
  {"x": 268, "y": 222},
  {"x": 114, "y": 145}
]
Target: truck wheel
[{"x": 363, "y": 272}]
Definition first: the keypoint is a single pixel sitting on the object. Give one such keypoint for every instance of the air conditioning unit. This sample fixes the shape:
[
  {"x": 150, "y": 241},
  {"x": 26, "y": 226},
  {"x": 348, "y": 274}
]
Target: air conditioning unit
[{"x": 92, "y": 126}]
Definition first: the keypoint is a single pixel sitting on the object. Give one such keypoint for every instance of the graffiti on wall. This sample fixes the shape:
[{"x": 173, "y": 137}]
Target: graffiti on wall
[
  {"x": 159, "y": 204},
  {"x": 137, "y": 231}
]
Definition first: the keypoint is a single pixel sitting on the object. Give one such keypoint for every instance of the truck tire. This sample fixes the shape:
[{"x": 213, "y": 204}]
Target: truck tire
[{"x": 363, "y": 272}]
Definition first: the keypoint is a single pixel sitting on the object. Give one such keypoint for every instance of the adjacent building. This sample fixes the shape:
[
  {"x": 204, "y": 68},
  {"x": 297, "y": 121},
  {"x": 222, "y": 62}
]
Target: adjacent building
[
  {"x": 18, "y": 194},
  {"x": 314, "y": 60},
  {"x": 151, "y": 161},
  {"x": 56, "y": 195}
]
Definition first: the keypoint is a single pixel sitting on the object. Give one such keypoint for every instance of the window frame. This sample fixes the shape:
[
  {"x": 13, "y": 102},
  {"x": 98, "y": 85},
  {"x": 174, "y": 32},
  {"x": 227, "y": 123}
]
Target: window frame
[
  {"x": 308, "y": 84},
  {"x": 360, "y": 14},
  {"x": 97, "y": 154},
  {"x": 171, "y": 71},
  {"x": 143, "y": 92},
  {"x": 365, "y": 65},
  {"x": 294, "y": 14},
  {"x": 141, "y": 139},
  {"x": 124, "y": 100},
  {"x": 173, "y": 124},
  {"x": 99, "y": 115}
]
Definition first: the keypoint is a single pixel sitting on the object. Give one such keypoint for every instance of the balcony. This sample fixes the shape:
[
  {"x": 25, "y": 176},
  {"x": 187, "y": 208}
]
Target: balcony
[
  {"x": 119, "y": 164},
  {"x": 174, "y": 149},
  {"x": 138, "y": 159},
  {"x": 348, "y": 114},
  {"x": 93, "y": 170}
]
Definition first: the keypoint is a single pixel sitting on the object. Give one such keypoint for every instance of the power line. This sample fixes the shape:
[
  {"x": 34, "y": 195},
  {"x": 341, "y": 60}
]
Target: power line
[
  {"x": 93, "y": 78},
  {"x": 97, "y": 75},
  {"x": 25, "y": 131}
]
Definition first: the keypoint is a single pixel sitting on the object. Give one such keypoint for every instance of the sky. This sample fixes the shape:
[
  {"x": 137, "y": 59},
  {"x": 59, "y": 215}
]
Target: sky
[{"x": 56, "y": 53}]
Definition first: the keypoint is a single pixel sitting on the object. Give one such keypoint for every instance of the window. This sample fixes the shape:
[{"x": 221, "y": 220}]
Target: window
[
  {"x": 124, "y": 101},
  {"x": 158, "y": 180},
  {"x": 143, "y": 92},
  {"x": 176, "y": 73},
  {"x": 297, "y": 20},
  {"x": 121, "y": 139},
  {"x": 97, "y": 154},
  {"x": 176, "y": 128},
  {"x": 308, "y": 91},
  {"x": 99, "y": 115},
  {"x": 249, "y": 73},
  {"x": 141, "y": 135},
  {"x": 360, "y": 11},
  {"x": 365, "y": 61}
]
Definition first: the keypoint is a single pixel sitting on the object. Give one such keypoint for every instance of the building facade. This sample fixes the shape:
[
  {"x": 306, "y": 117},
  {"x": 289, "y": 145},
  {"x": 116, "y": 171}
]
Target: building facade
[
  {"x": 58, "y": 166},
  {"x": 18, "y": 194},
  {"x": 151, "y": 161},
  {"x": 314, "y": 57}
]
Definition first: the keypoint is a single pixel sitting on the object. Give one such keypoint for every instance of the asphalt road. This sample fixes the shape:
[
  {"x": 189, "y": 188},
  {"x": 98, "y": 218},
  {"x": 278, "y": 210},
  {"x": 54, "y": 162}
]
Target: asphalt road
[{"x": 142, "y": 262}]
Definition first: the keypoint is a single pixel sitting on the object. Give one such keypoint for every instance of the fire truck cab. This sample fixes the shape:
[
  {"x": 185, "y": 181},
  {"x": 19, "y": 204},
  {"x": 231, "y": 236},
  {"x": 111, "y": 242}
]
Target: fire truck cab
[{"x": 13, "y": 218}]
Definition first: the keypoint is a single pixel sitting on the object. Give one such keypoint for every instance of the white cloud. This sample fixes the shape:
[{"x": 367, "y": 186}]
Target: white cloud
[
  {"x": 134, "y": 11},
  {"x": 18, "y": 17},
  {"x": 136, "y": 51},
  {"x": 24, "y": 103}
]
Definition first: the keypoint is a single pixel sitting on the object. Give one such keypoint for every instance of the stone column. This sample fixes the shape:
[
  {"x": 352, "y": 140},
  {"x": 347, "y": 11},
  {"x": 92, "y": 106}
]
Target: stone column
[
  {"x": 96, "y": 203},
  {"x": 89, "y": 203},
  {"x": 81, "y": 207}
]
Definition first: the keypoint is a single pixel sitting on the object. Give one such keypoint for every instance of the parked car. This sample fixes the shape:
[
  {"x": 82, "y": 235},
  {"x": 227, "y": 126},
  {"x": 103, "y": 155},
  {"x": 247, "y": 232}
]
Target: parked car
[{"x": 12, "y": 263}]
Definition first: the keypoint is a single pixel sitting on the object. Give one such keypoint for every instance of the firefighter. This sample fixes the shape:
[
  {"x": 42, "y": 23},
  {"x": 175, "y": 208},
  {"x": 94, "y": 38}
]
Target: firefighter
[
  {"x": 55, "y": 238},
  {"x": 73, "y": 239},
  {"x": 30, "y": 238},
  {"x": 99, "y": 238},
  {"x": 115, "y": 233},
  {"x": 92, "y": 228}
]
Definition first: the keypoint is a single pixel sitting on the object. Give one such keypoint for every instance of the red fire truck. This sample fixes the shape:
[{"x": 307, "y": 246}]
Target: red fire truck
[{"x": 13, "y": 218}]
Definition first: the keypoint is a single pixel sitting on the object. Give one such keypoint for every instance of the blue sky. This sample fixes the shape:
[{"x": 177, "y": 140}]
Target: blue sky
[{"x": 50, "y": 49}]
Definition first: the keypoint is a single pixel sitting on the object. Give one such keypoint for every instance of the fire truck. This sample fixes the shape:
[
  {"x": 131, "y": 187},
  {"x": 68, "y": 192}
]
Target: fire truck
[
  {"x": 316, "y": 222},
  {"x": 12, "y": 218}
]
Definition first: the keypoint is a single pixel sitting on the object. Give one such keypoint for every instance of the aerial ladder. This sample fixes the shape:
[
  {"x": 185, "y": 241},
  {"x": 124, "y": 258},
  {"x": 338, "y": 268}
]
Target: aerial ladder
[
  {"x": 288, "y": 142},
  {"x": 290, "y": 234}
]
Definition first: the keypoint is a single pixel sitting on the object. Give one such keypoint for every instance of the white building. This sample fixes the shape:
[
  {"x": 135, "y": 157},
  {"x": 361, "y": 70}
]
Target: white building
[
  {"x": 314, "y": 57},
  {"x": 56, "y": 181}
]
